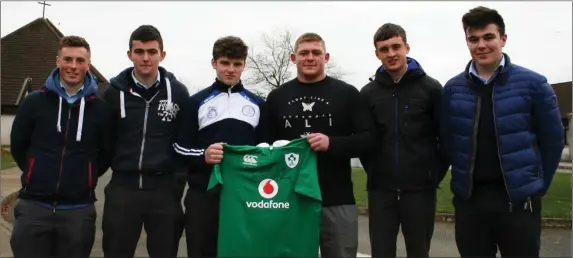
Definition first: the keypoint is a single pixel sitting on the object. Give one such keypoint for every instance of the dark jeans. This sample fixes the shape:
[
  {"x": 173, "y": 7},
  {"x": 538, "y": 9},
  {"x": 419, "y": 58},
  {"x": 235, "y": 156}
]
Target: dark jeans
[
  {"x": 485, "y": 223},
  {"x": 414, "y": 211},
  {"x": 40, "y": 233},
  {"x": 201, "y": 223},
  {"x": 127, "y": 211}
]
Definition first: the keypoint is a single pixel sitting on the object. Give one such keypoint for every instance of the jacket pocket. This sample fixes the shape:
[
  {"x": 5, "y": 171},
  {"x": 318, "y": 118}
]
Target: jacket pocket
[
  {"x": 539, "y": 163},
  {"x": 29, "y": 172},
  {"x": 90, "y": 175},
  {"x": 383, "y": 111},
  {"x": 417, "y": 122},
  {"x": 90, "y": 179}
]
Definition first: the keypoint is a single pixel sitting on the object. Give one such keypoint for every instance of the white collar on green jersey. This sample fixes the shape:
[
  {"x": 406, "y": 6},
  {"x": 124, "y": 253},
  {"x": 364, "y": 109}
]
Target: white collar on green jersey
[{"x": 278, "y": 143}]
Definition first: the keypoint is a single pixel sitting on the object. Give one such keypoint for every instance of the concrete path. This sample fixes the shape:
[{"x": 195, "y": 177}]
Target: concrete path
[
  {"x": 565, "y": 167},
  {"x": 555, "y": 242}
]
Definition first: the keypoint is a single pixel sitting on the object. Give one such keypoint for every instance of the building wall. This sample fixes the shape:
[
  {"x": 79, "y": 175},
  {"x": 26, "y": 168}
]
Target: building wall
[
  {"x": 570, "y": 134},
  {"x": 6, "y": 128},
  {"x": 564, "y": 92}
]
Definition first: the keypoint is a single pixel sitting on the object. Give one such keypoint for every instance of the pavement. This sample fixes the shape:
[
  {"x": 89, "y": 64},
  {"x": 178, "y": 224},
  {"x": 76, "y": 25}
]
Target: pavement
[
  {"x": 554, "y": 242},
  {"x": 565, "y": 167}
]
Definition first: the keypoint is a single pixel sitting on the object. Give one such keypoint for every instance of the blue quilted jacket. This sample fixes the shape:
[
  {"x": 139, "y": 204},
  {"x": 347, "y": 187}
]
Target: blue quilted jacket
[{"x": 530, "y": 134}]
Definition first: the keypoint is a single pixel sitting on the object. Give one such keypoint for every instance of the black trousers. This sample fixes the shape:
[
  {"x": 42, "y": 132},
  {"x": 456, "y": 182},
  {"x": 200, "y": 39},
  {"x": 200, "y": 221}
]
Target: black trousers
[
  {"x": 127, "y": 210},
  {"x": 40, "y": 233},
  {"x": 181, "y": 182},
  {"x": 485, "y": 223},
  {"x": 414, "y": 211},
  {"x": 201, "y": 223}
]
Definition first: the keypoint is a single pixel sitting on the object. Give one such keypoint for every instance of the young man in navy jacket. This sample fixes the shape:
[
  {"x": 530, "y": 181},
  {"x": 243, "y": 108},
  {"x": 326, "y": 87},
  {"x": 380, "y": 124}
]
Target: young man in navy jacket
[
  {"x": 60, "y": 140},
  {"x": 404, "y": 174},
  {"x": 144, "y": 191},
  {"x": 502, "y": 133},
  {"x": 223, "y": 112}
]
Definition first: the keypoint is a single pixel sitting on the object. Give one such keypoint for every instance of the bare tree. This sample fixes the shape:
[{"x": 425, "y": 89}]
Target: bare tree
[
  {"x": 192, "y": 88},
  {"x": 270, "y": 66},
  {"x": 333, "y": 70}
]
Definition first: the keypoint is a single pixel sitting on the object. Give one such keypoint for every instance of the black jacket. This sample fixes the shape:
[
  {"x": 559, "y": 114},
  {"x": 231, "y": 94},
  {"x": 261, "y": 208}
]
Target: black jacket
[
  {"x": 410, "y": 157},
  {"x": 215, "y": 114},
  {"x": 144, "y": 129},
  {"x": 333, "y": 108},
  {"x": 61, "y": 152}
]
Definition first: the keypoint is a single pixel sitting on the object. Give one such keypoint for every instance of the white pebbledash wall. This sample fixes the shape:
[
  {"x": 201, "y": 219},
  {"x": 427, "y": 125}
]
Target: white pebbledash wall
[{"x": 6, "y": 127}]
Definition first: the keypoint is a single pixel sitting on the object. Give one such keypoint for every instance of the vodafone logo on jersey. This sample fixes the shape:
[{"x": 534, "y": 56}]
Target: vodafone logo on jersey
[{"x": 268, "y": 188}]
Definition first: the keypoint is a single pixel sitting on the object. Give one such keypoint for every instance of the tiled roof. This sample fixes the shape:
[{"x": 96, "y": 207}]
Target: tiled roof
[{"x": 30, "y": 52}]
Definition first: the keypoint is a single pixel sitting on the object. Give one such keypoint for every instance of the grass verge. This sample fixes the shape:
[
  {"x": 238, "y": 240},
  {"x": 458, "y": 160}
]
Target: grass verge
[
  {"x": 7, "y": 161},
  {"x": 556, "y": 203}
]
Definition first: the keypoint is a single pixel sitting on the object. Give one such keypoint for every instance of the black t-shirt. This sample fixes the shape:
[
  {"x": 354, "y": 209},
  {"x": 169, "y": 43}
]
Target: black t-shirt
[{"x": 331, "y": 107}]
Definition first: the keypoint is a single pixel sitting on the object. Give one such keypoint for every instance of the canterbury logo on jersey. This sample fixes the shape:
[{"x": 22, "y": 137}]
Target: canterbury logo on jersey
[
  {"x": 250, "y": 160},
  {"x": 268, "y": 189}
]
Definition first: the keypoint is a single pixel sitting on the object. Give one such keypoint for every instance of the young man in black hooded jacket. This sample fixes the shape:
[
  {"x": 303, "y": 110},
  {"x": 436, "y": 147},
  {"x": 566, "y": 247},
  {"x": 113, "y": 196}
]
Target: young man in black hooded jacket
[
  {"x": 404, "y": 173},
  {"x": 144, "y": 190},
  {"x": 60, "y": 141}
]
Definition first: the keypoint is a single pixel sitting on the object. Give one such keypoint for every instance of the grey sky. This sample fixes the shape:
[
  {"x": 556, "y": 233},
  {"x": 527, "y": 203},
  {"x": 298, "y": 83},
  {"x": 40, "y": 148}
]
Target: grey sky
[{"x": 539, "y": 33}]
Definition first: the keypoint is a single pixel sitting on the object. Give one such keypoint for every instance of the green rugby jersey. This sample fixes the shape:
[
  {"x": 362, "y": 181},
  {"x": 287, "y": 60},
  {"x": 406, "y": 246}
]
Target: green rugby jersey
[{"x": 270, "y": 201}]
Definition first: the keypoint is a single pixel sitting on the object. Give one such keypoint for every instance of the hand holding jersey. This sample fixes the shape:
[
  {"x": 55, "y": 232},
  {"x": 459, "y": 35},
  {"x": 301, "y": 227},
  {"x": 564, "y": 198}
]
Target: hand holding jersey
[
  {"x": 214, "y": 153},
  {"x": 318, "y": 141}
]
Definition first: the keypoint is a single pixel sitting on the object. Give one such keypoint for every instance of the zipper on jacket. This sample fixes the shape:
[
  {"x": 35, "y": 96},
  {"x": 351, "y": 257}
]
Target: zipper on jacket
[
  {"x": 396, "y": 158},
  {"x": 406, "y": 117},
  {"x": 497, "y": 145},
  {"x": 29, "y": 173},
  {"x": 538, "y": 176},
  {"x": 229, "y": 102},
  {"x": 62, "y": 158},
  {"x": 474, "y": 146},
  {"x": 143, "y": 144},
  {"x": 147, "y": 104}
]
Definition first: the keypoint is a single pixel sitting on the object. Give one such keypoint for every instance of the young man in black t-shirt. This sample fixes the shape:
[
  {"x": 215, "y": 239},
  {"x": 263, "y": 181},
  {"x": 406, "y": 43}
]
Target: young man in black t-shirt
[{"x": 331, "y": 114}]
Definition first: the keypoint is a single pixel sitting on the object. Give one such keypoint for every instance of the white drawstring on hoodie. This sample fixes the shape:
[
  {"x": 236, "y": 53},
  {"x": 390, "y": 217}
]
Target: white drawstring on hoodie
[
  {"x": 122, "y": 98},
  {"x": 80, "y": 121},
  {"x": 59, "y": 117}
]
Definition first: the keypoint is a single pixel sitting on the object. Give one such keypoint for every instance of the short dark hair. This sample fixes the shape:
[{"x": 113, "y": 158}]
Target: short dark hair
[
  {"x": 388, "y": 31},
  {"x": 73, "y": 41},
  {"x": 146, "y": 33},
  {"x": 231, "y": 47},
  {"x": 480, "y": 17},
  {"x": 308, "y": 37}
]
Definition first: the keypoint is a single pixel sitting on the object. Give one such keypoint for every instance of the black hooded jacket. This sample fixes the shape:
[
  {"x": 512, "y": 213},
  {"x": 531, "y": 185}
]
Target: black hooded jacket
[
  {"x": 62, "y": 148},
  {"x": 144, "y": 129},
  {"x": 409, "y": 158}
]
